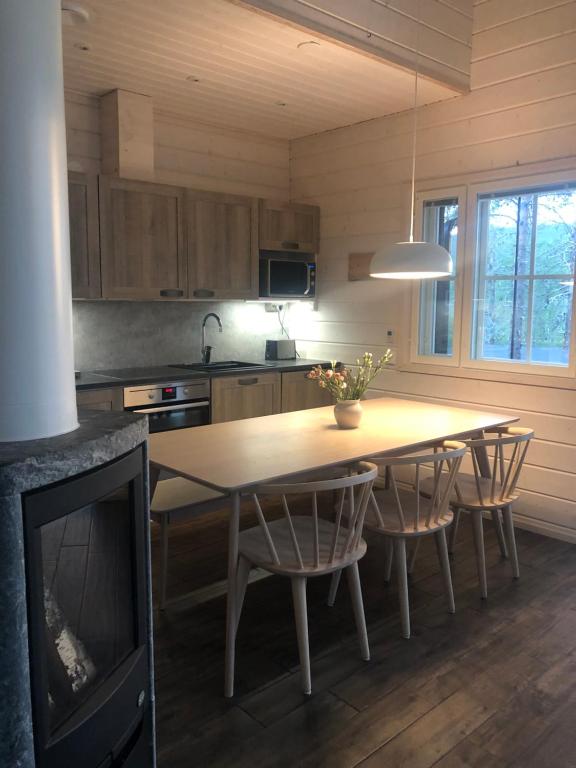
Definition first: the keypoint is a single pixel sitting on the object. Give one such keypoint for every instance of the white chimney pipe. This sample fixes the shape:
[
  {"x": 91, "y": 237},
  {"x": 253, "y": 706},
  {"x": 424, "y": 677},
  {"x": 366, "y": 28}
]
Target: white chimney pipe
[{"x": 37, "y": 394}]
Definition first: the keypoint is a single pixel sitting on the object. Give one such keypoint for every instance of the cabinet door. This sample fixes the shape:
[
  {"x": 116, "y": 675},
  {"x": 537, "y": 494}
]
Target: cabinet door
[
  {"x": 289, "y": 227},
  {"x": 222, "y": 243},
  {"x": 141, "y": 240},
  {"x": 101, "y": 399},
  {"x": 84, "y": 235},
  {"x": 300, "y": 392},
  {"x": 245, "y": 397}
]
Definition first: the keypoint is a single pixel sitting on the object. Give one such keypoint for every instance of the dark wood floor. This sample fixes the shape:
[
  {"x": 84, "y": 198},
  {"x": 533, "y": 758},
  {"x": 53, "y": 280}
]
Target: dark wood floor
[{"x": 492, "y": 686}]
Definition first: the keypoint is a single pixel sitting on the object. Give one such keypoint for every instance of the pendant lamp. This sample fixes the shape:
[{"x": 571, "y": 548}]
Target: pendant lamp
[{"x": 411, "y": 260}]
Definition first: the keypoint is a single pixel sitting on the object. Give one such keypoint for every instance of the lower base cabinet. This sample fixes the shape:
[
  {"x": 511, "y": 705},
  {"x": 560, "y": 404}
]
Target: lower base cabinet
[
  {"x": 299, "y": 392},
  {"x": 101, "y": 399},
  {"x": 234, "y": 397},
  {"x": 244, "y": 397}
]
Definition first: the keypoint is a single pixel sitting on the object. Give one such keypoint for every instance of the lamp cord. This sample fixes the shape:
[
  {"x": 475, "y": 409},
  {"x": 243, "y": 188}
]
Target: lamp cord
[{"x": 414, "y": 126}]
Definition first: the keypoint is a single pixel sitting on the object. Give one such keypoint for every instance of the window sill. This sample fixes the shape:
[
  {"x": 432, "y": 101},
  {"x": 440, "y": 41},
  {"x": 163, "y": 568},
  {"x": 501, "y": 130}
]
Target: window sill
[{"x": 550, "y": 381}]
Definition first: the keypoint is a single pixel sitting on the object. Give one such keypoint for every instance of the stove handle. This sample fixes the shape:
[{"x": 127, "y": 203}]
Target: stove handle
[{"x": 181, "y": 407}]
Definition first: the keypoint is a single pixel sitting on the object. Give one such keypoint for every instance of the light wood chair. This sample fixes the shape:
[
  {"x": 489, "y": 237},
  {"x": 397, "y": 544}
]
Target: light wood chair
[
  {"x": 398, "y": 513},
  {"x": 477, "y": 495},
  {"x": 302, "y": 546},
  {"x": 178, "y": 500}
]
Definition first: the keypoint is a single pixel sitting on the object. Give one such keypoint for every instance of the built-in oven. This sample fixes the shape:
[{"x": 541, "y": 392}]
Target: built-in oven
[{"x": 171, "y": 405}]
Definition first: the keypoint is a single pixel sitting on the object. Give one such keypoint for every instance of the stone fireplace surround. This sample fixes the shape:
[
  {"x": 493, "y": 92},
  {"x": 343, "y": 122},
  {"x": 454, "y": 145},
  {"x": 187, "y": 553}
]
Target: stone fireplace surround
[{"x": 28, "y": 466}]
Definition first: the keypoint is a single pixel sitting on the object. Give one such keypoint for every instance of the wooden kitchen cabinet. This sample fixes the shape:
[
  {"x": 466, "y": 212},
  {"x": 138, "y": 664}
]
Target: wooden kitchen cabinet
[
  {"x": 141, "y": 240},
  {"x": 289, "y": 227},
  {"x": 103, "y": 399},
  {"x": 300, "y": 392},
  {"x": 84, "y": 235},
  {"x": 222, "y": 245},
  {"x": 245, "y": 396}
]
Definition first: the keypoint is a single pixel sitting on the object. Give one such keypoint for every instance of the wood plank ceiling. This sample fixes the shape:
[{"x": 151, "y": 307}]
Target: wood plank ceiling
[{"x": 216, "y": 62}]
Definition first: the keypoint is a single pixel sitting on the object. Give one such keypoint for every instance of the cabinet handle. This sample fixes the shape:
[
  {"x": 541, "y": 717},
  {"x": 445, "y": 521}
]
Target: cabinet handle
[
  {"x": 290, "y": 244},
  {"x": 247, "y": 382},
  {"x": 203, "y": 293},
  {"x": 172, "y": 293}
]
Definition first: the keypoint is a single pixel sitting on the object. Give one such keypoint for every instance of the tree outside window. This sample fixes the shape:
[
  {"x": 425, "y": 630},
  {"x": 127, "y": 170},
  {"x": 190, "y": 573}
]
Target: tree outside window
[{"x": 525, "y": 262}]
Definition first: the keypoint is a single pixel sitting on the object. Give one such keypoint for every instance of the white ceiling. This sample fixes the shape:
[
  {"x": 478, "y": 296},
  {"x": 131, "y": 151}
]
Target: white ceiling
[{"x": 251, "y": 74}]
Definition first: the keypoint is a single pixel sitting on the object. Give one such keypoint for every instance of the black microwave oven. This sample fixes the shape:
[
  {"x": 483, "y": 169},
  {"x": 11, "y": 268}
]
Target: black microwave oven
[{"x": 286, "y": 275}]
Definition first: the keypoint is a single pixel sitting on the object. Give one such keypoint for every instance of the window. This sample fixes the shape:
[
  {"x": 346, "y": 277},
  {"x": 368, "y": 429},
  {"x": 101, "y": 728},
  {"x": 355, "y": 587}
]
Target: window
[
  {"x": 437, "y": 297},
  {"x": 524, "y": 277},
  {"x": 509, "y": 304}
]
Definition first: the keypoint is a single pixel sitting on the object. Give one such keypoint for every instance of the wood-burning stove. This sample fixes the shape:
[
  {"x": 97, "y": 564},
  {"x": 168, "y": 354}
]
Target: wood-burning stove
[
  {"x": 86, "y": 582},
  {"x": 85, "y": 549}
]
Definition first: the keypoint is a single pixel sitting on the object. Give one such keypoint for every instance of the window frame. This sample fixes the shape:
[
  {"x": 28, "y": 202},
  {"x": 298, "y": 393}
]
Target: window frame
[
  {"x": 475, "y": 192},
  {"x": 461, "y": 364},
  {"x": 459, "y": 193}
]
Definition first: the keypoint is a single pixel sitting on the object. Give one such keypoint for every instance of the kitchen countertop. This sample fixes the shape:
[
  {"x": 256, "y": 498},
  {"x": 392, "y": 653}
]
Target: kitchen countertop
[{"x": 124, "y": 377}]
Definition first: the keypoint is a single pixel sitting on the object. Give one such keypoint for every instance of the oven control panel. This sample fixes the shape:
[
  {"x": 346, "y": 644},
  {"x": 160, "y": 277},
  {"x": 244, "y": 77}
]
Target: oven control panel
[
  {"x": 169, "y": 393},
  {"x": 172, "y": 392}
]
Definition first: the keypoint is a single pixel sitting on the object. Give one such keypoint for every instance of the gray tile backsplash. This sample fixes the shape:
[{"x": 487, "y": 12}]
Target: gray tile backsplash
[{"x": 119, "y": 334}]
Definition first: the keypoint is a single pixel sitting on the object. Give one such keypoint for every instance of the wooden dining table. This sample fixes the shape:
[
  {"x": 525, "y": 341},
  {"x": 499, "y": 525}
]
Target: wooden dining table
[{"x": 233, "y": 457}]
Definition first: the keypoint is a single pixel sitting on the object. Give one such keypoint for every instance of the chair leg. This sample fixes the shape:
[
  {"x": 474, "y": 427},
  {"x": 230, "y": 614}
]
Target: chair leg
[
  {"x": 497, "y": 520},
  {"x": 454, "y": 531},
  {"x": 334, "y": 583},
  {"x": 478, "y": 530},
  {"x": 244, "y": 567},
  {"x": 353, "y": 576},
  {"x": 164, "y": 533},
  {"x": 400, "y": 554},
  {"x": 413, "y": 556},
  {"x": 442, "y": 549},
  {"x": 389, "y": 560},
  {"x": 509, "y": 523},
  {"x": 301, "y": 616}
]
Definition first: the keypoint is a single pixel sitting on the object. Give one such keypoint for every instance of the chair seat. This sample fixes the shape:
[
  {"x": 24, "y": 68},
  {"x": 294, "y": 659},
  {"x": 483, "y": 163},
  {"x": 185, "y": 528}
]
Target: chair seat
[
  {"x": 465, "y": 494},
  {"x": 390, "y": 525},
  {"x": 253, "y": 546},
  {"x": 178, "y": 494}
]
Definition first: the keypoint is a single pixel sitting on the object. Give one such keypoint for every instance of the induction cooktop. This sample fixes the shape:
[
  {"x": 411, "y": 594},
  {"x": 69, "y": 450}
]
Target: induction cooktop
[{"x": 147, "y": 373}]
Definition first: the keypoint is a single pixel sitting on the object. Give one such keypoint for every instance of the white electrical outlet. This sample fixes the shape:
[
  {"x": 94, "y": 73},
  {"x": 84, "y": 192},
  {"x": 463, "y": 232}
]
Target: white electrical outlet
[{"x": 391, "y": 336}]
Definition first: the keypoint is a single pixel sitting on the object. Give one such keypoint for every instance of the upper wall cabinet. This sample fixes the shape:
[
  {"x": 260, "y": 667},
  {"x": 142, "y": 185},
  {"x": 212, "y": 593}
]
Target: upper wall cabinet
[
  {"x": 141, "y": 240},
  {"x": 222, "y": 244},
  {"x": 289, "y": 227},
  {"x": 84, "y": 236}
]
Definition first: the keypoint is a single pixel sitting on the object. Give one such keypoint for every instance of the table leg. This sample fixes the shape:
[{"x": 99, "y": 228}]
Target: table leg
[
  {"x": 233, "y": 530},
  {"x": 482, "y": 457}
]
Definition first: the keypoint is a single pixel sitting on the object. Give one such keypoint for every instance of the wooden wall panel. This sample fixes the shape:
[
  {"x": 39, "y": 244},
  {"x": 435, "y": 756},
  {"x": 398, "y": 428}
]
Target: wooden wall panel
[
  {"x": 520, "y": 117},
  {"x": 188, "y": 154}
]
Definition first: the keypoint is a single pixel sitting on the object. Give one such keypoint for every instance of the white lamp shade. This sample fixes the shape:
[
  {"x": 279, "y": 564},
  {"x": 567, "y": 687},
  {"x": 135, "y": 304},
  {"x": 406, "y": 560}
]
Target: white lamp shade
[{"x": 411, "y": 261}]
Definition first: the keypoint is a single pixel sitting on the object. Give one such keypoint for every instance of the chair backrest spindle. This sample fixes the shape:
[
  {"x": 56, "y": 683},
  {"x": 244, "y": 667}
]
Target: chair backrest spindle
[
  {"x": 443, "y": 461},
  {"x": 264, "y": 525},
  {"x": 501, "y": 485},
  {"x": 305, "y": 542},
  {"x": 293, "y": 536}
]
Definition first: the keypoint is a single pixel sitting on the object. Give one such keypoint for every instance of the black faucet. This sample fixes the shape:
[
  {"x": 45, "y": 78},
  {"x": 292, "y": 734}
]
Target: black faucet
[{"x": 207, "y": 351}]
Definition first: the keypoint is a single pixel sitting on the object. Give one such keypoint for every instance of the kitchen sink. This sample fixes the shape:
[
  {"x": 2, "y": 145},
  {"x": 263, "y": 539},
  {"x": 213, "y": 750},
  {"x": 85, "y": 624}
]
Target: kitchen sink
[{"x": 219, "y": 367}]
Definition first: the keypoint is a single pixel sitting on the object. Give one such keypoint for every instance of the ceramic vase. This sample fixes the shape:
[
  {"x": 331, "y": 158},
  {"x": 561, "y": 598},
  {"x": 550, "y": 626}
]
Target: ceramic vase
[{"x": 348, "y": 413}]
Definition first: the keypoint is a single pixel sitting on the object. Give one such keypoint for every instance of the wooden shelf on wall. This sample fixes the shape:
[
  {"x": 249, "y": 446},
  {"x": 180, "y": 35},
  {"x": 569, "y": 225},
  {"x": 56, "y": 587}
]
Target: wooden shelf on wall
[{"x": 359, "y": 266}]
